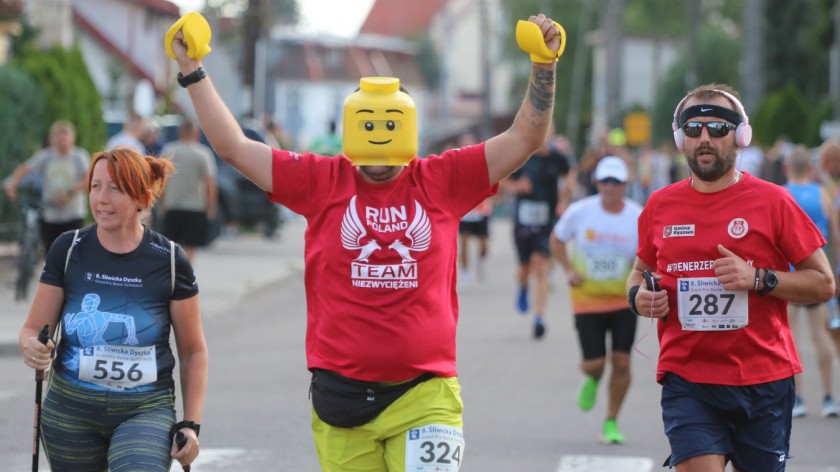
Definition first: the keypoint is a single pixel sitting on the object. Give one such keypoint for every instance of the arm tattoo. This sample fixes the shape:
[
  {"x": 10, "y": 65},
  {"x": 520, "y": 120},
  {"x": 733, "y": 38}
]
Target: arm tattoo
[{"x": 541, "y": 91}]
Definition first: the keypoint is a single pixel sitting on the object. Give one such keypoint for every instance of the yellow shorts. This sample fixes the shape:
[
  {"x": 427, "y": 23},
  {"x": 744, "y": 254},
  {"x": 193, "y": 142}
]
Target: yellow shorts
[{"x": 421, "y": 431}]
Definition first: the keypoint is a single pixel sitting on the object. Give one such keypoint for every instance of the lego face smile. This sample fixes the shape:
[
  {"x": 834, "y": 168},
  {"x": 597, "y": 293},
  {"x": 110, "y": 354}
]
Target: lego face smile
[
  {"x": 379, "y": 132},
  {"x": 380, "y": 124}
]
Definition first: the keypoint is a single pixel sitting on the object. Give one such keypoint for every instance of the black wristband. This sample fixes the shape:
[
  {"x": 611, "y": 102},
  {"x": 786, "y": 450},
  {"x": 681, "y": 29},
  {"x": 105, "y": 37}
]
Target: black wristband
[
  {"x": 185, "y": 424},
  {"x": 631, "y": 299},
  {"x": 757, "y": 278},
  {"x": 195, "y": 76}
]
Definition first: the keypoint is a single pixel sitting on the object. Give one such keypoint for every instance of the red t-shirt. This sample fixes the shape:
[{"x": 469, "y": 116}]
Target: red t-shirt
[
  {"x": 679, "y": 230},
  {"x": 380, "y": 260}
]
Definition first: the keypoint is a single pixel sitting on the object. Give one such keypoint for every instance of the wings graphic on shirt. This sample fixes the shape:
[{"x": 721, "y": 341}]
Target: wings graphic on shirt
[
  {"x": 419, "y": 233},
  {"x": 353, "y": 231}
]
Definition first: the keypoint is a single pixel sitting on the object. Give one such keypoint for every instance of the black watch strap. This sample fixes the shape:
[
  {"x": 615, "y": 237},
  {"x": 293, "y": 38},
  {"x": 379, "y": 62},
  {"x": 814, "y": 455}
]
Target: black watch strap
[
  {"x": 185, "y": 424},
  {"x": 193, "y": 77},
  {"x": 631, "y": 299},
  {"x": 770, "y": 281}
]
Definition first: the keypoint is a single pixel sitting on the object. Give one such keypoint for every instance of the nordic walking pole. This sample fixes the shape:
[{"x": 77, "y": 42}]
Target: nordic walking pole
[
  {"x": 180, "y": 441},
  {"x": 43, "y": 337}
]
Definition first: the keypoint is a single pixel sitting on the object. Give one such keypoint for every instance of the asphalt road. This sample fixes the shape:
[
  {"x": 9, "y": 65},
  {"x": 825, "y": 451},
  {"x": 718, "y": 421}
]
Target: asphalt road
[{"x": 519, "y": 394}]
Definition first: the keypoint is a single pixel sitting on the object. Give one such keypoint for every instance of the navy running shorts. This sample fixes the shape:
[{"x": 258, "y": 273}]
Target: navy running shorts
[{"x": 750, "y": 425}]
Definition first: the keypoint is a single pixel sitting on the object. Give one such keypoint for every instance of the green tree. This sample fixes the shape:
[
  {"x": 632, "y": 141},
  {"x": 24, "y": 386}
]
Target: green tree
[
  {"x": 784, "y": 111},
  {"x": 797, "y": 38},
  {"x": 69, "y": 92},
  {"x": 21, "y": 128},
  {"x": 718, "y": 59},
  {"x": 256, "y": 18}
]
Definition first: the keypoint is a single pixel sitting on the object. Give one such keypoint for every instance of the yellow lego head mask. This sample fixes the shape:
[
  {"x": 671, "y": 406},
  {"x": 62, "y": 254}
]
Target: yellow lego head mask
[{"x": 380, "y": 124}]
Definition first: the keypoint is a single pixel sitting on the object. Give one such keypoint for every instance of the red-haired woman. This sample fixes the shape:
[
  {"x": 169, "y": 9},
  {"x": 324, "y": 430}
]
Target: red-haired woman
[{"x": 117, "y": 288}]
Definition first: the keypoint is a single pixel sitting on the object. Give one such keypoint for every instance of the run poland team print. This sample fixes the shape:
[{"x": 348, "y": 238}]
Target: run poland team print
[{"x": 413, "y": 237}]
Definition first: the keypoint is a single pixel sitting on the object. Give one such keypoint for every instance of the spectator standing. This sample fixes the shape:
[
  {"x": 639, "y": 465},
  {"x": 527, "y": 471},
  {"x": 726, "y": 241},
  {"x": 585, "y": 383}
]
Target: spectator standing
[
  {"x": 190, "y": 201},
  {"x": 537, "y": 186},
  {"x": 61, "y": 169},
  {"x": 130, "y": 136},
  {"x": 720, "y": 244},
  {"x": 595, "y": 241}
]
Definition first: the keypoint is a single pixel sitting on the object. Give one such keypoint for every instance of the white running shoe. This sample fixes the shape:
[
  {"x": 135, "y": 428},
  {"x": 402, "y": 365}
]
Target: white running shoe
[
  {"x": 829, "y": 408},
  {"x": 799, "y": 409}
]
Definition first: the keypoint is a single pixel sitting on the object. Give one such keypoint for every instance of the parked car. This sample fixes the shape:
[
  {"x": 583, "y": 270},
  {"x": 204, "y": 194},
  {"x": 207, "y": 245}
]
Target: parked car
[{"x": 241, "y": 202}]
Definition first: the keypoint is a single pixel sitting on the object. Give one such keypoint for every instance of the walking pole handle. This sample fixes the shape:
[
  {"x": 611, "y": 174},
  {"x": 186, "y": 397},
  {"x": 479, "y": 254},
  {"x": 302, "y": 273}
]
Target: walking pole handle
[
  {"x": 180, "y": 441},
  {"x": 43, "y": 337}
]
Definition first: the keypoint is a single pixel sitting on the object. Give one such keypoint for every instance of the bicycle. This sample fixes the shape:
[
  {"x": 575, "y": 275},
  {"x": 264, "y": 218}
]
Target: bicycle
[{"x": 29, "y": 241}]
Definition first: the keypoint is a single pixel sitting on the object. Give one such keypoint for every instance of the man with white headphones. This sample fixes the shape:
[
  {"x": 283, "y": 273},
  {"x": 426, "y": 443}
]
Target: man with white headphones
[{"x": 719, "y": 244}]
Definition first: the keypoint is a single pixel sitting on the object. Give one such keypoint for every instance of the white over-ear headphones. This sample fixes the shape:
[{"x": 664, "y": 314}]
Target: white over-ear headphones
[{"x": 743, "y": 132}]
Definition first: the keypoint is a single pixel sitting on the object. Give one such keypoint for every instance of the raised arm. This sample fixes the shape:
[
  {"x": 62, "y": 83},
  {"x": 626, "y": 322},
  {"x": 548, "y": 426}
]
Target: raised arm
[
  {"x": 509, "y": 150},
  {"x": 251, "y": 158}
]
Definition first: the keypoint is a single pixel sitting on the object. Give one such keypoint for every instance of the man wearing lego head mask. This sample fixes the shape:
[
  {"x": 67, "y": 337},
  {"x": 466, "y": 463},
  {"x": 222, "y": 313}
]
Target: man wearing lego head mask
[{"x": 381, "y": 251}]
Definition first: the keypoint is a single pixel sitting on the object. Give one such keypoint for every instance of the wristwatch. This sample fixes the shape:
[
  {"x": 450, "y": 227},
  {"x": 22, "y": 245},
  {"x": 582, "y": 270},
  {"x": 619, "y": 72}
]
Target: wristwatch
[
  {"x": 195, "y": 76},
  {"x": 770, "y": 281},
  {"x": 185, "y": 424}
]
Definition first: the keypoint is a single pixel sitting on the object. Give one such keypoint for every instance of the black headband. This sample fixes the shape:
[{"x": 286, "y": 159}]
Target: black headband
[{"x": 710, "y": 110}]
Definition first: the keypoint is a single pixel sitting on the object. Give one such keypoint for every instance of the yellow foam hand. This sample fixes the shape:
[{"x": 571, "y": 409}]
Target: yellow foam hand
[
  {"x": 196, "y": 35},
  {"x": 530, "y": 39}
]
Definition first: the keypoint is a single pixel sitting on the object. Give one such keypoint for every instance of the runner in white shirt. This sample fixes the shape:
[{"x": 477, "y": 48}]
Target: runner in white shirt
[{"x": 595, "y": 243}]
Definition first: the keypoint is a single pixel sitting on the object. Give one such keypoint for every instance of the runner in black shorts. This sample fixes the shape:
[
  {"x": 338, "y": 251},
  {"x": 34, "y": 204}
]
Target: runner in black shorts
[
  {"x": 190, "y": 200},
  {"x": 186, "y": 227},
  {"x": 536, "y": 186}
]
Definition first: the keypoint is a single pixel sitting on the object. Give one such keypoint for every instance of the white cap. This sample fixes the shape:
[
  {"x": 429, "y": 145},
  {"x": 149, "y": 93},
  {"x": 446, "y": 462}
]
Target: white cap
[{"x": 611, "y": 166}]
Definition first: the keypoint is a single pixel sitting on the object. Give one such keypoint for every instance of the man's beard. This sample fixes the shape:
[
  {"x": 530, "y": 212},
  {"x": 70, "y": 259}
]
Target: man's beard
[
  {"x": 714, "y": 171},
  {"x": 380, "y": 174}
]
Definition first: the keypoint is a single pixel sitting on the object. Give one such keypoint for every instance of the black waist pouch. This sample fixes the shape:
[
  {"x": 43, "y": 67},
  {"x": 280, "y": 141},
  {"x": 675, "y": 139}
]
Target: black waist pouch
[{"x": 345, "y": 403}]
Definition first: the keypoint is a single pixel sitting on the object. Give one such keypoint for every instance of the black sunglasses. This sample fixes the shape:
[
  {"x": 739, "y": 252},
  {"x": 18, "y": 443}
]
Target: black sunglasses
[
  {"x": 717, "y": 129},
  {"x": 610, "y": 181}
]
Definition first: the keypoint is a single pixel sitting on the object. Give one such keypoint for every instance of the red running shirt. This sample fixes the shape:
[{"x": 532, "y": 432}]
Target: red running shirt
[
  {"x": 679, "y": 230},
  {"x": 380, "y": 260}
]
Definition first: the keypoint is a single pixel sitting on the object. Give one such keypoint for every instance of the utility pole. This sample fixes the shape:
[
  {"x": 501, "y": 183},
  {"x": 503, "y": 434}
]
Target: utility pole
[
  {"x": 486, "y": 109},
  {"x": 613, "y": 29},
  {"x": 443, "y": 71},
  {"x": 578, "y": 75},
  {"x": 753, "y": 84},
  {"x": 545, "y": 7},
  {"x": 834, "y": 62},
  {"x": 694, "y": 15},
  {"x": 252, "y": 31}
]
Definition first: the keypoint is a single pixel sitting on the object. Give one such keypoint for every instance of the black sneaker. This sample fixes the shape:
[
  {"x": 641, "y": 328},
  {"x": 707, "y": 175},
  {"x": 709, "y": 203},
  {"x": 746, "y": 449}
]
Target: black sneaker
[{"x": 539, "y": 330}]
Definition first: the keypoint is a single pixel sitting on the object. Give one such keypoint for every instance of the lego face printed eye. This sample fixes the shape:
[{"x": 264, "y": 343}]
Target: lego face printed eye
[
  {"x": 380, "y": 131},
  {"x": 380, "y": 125}
]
